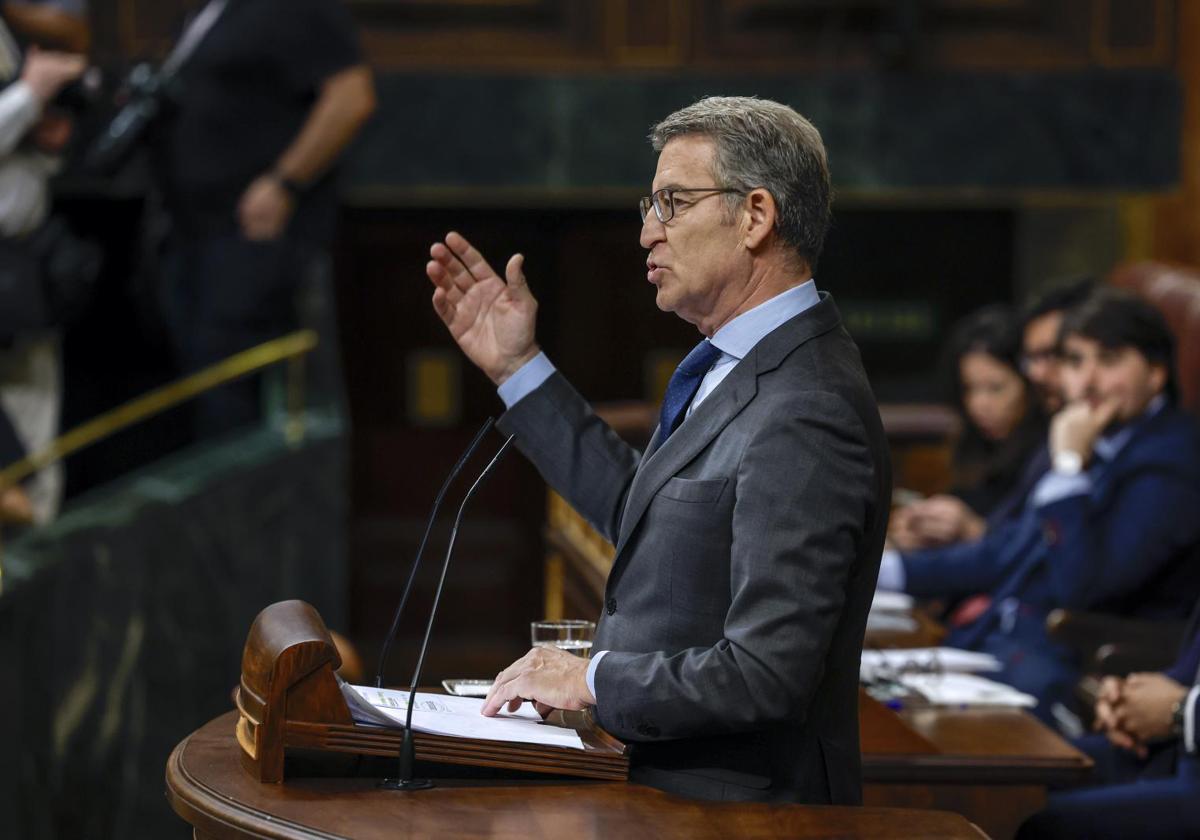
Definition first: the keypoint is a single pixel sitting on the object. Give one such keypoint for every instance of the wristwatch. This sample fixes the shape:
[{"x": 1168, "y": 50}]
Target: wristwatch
[
  {"x": 1068, "y": 462},
  {"x": 1177, "y": 712}
]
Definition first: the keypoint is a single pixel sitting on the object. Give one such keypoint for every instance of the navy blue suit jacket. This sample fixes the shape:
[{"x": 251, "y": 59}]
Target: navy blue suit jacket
[{"x": 1130, "y": 547}]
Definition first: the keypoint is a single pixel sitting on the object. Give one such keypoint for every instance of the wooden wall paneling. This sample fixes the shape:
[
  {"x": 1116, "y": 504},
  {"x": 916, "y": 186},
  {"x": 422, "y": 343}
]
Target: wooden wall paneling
[
  {"x": 946, "y": 34},
  {"x": 474, "y": 34},
  {"x": 730, "y": 35},
  {"x": 1133, "y": 32},
  {"x": 1176, "y": 217},
  {"x": 645, "y": 35}
]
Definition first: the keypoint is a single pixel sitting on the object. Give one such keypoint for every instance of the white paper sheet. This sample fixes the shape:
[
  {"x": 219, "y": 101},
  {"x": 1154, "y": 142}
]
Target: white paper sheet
[
  {"x": 950, "y": 689},
  {"x": 891, "y": 602},
  {"x": 885, "y": 622},
  {"x": 888, "y": 663},
  {"x": 444, "y": 714}
]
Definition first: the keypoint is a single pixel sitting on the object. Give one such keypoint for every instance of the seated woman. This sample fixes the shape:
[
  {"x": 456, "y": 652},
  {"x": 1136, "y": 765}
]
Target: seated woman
[{"x": 1002, "y": 428}]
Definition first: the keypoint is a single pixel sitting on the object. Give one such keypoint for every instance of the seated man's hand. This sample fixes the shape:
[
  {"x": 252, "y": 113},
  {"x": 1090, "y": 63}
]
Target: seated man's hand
[
  {"x": 1076, "y": 427},
  {"x": 1145, "y": 711},
  {"x": 1108, "y": 703},
  {"x": 548, "y": 677}
]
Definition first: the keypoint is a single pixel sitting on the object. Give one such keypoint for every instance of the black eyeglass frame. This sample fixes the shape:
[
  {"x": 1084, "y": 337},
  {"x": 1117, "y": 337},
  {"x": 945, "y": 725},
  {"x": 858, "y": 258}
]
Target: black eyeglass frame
[{"x": 655, "y": 200}]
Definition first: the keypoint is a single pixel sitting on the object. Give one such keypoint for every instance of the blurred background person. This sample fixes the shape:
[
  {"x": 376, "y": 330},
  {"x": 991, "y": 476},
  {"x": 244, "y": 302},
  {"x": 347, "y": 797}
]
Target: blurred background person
[
  {"x": 1109, "y": 528},
  {"x": 945, "y": 518},
  {"x": 33, "y": 134},
  {"x": 1147, "y": 778},
  {"x": 270, "y": 94},
  {"x": 1039, "y": 339},
  {"x": 1002, "y": 426}
]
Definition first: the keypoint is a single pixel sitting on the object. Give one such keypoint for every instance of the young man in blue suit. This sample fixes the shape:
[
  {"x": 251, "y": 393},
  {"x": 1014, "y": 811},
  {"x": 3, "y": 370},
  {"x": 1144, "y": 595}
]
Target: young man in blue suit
[
  {"x": 1112, "y": 527},
  {"x": 1147, "y": 762}
]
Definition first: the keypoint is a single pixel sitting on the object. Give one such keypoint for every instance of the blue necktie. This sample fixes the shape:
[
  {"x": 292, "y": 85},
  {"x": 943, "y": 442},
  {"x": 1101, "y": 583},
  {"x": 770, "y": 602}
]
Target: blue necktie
[{"x": 683, "y": 386}]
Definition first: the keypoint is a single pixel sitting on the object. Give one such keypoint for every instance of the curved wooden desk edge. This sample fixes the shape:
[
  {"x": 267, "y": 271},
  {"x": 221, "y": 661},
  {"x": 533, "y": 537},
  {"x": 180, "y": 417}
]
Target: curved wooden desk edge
[
  {"x": 199, "y": 805},
  {"x": 208, "y": 788}
]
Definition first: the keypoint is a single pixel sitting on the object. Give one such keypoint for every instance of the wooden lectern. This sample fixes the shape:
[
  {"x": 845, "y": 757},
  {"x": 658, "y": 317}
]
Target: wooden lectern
[{"x": 289, "y": 698}]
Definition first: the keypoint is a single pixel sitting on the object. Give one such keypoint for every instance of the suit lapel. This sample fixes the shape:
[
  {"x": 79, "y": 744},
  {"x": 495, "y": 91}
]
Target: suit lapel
[
  {"x": 661, "y": 460},
  {"x": 696, "y": 432}
]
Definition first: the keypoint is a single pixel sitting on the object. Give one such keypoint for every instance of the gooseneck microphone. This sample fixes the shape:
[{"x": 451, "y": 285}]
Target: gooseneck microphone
[
  {"x": 412, "y": 574},
  {"x": 407, "y": 750}
]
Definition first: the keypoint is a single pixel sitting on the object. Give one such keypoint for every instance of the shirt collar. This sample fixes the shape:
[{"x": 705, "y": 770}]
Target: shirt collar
[
  {"x": 738, "y": 337},
  {"x": 1108, "y": 446}
]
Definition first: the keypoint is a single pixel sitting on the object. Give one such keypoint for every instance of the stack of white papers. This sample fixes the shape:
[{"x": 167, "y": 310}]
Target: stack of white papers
[
  {"x": 891, "y": 611},
  {"x": 949, "y": 689},
  {"x": 891, "y": 602},
  {"x": 887, "y": 664},
  {"x": 938, "y": 676},
  {"x": 443, "y": 714}
]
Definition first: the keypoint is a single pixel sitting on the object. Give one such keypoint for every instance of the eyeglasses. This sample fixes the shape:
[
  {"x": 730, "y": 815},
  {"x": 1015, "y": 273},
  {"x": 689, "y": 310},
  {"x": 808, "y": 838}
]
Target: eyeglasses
[{"x": 663, "y": 201}]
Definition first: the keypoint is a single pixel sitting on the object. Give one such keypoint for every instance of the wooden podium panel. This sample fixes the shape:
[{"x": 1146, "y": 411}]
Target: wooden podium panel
[{"x": 207, "y": 786}]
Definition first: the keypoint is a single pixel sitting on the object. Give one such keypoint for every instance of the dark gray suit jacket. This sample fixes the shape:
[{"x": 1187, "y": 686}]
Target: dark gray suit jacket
[{"x": 747, "y": 551}]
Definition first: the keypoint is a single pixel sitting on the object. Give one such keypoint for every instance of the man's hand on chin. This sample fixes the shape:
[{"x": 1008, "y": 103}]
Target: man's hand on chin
[{"x": 548, "y": 677}]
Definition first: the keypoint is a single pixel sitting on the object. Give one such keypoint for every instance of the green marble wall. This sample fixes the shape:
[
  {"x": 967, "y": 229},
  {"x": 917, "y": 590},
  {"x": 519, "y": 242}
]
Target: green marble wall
[
  {"x": 1076, "y": 130},
  {"x": 122, "y": 624}
]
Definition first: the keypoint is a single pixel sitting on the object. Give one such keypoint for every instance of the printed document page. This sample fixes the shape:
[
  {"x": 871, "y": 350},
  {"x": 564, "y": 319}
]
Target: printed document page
[{"x": 444, "y": 714}]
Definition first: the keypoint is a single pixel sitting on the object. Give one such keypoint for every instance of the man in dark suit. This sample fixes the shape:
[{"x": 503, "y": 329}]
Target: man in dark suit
[
  {"x": 748, "y": 533},
  {"x": 1112, "y": 527},
  {"x": 1147, "y": 765}
]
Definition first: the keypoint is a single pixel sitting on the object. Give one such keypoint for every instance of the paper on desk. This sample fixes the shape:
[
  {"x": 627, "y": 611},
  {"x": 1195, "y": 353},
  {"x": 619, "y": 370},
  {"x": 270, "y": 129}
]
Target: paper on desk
[
  {"x": 887, "y": 622},
  {"x": 444, "y": 714},
  {"x": 877, "y": 664},
  {"x": 891, "y": 602},
  {"x": 949, "y": 689}
]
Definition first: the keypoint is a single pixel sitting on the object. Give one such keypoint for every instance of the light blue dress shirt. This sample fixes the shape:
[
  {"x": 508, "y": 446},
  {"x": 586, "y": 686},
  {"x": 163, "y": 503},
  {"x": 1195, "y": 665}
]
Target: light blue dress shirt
[{"x": 735, "y": 340}]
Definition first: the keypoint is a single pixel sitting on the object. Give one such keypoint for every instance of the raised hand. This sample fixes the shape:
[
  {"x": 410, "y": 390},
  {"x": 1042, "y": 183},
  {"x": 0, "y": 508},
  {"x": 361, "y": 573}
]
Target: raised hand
[{"x": 492, "y": 320}]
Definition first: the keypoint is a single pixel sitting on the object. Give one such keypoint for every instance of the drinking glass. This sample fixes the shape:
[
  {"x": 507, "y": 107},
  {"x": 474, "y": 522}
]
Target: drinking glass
[{"x": 573, "y": 635}]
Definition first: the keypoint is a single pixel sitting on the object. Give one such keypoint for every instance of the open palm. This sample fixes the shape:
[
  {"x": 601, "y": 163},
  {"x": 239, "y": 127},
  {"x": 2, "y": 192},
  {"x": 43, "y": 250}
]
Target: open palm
[{"x": 491, "y": 319}]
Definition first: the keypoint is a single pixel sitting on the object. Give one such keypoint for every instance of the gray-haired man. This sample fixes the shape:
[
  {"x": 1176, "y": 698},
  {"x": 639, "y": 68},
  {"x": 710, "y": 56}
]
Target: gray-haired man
[{"x": 748, "y": 534}]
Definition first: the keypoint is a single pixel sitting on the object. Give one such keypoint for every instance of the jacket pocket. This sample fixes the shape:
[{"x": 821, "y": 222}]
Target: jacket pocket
[{"x": 699, "y": 491}]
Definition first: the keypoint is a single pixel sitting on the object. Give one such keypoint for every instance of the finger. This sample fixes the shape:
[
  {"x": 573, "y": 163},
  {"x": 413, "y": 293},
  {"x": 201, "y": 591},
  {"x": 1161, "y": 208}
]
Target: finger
[
  {"x": 503, "y": 683},
  {"x": 453, "y": 269},
  {"x": 442, "y": 306},
  {"x": 515, "y": 275},
  {"x": 471, "y": 259},
  {"x": 543, "y": 709},
  {"x": 503, "y": 693},
  {"x": 1106, "y": 412},
  {"x": 451, "y": 293},
  {"x": 514, "y": 704}
]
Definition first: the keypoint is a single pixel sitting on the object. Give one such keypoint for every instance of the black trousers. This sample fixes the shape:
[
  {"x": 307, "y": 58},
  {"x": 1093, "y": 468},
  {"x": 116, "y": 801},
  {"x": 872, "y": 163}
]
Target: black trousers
[{"x": 224, "y": 294}]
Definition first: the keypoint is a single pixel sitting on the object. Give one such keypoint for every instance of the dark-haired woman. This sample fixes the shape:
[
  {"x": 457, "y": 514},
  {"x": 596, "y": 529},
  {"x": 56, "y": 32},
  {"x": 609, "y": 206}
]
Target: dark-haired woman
[{"x": 1001, "y": 427}]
